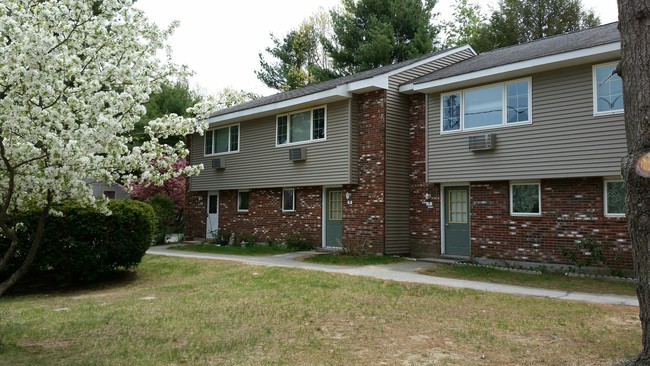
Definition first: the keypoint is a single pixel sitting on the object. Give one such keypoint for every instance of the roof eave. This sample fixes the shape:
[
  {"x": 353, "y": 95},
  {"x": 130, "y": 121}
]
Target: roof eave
[
  {"x": 341, "y": 92},
  {"x": 593, "y": 54}
]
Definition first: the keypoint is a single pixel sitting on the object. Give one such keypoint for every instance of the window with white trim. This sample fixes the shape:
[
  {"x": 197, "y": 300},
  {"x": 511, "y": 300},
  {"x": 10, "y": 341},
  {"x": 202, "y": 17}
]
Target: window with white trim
[
  {"x": 488, "y": 106},
  {"x": 608, "y": 90},
  {"x": 614, "y": 198},
  {"x": 288, "y": 200},
  {"x": 525, "y": 199},
  {"x": 222, "y": 140},
  {"x": 301, "y": 126},
  {"x": 242, "y": 200}
]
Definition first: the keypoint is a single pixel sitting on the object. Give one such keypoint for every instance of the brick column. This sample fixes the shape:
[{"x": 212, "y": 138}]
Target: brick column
[
  {"x": 424, "y": 218},
  {"x": 364, "y": 219}
]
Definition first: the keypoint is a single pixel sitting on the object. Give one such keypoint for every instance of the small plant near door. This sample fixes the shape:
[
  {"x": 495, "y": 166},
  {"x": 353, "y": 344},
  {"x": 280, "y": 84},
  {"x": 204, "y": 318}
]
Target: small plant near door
[
  {"x": 356, "y": 246},
  {"x": 220, "y": 237}
]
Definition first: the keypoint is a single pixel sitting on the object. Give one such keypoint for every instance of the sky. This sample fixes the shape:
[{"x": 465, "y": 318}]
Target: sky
[{"x": 220, "y": 40}]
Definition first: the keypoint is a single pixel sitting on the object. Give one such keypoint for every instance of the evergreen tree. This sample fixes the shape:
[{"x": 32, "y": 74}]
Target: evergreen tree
[{"x": 373, "y": 33}]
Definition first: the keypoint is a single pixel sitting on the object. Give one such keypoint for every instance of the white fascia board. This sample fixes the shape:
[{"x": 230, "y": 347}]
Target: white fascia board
[
  {"x": 538, "y": 63},
  {"x": 338, "y": 93},
  {"x": 366, "y": 85}
]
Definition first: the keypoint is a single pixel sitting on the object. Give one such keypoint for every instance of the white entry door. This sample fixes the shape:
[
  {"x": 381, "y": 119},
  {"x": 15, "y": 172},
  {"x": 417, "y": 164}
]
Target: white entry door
[{"x": 212, "y": 221}]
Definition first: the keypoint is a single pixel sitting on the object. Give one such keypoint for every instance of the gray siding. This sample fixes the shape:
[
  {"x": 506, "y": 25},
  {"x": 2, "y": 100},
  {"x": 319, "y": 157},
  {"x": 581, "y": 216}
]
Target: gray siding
[
  {"x": 564, "y": 140},
  {"x": 260, "y": 164},
  {"x": 398, "y": 165}
]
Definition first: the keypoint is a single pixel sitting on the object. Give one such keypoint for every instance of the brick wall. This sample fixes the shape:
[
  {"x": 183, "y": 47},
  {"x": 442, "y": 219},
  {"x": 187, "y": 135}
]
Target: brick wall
[
  {"x": 364, "y": 218},
  {"x": 571, "y": 210},
  {"x": 196, "y": 215},
  {"x": 265, "y": 219},
  {"x": 424, "y": 218}
]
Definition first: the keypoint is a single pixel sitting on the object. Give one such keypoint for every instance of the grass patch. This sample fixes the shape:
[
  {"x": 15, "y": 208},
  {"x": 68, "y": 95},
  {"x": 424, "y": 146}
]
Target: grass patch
[
  {"x": 206, "y": 312},
  {"x": 347, "y": 260},
  {"x": 236, "y": 250},
  {"x": 553, "y": 281}
]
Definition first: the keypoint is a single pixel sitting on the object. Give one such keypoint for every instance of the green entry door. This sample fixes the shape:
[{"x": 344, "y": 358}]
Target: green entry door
[
  {"x": 456, "y": 221},
  {"x": 333, "y": 217}
]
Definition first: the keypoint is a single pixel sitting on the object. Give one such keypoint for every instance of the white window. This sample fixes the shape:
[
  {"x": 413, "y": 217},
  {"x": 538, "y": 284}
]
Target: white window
[
  {"x": 608, "y": 90},
  {"x": 301, "y": 126},
  {"x": 242, "y": 200},
  {"x": 525, "y": 199},
  {"x": 288, "y": 199},
  {"x": 222, "y": 140},
  {"x": 488, "y": 106},
  {"x": 614, "y": 198}
]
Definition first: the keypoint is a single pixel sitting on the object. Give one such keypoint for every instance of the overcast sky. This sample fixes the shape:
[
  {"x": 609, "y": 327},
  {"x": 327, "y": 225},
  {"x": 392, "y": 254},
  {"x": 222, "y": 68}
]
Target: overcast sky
[{"x": 220, "y": 40}]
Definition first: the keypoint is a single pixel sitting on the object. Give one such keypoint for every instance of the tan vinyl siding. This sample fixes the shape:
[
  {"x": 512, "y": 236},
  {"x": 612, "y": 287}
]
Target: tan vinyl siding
[
  {"x": 260, "y": 164},
  {"x": 354, "y": 140},
  {"x": 564, "y": 140},
  {"x": 398, "y": 154}
]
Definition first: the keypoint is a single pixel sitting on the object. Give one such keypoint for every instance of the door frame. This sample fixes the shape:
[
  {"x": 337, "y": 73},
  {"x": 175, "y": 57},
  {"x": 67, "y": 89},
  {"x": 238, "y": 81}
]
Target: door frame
[
  {"x": 443, "y": 214},
  {"x": 324, "y": 214},
  {"x": 207, "y": 212}
]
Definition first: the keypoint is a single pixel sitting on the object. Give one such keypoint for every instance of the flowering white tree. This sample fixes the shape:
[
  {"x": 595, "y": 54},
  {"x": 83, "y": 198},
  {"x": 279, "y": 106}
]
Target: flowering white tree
[{"x": 73, "y": 77}]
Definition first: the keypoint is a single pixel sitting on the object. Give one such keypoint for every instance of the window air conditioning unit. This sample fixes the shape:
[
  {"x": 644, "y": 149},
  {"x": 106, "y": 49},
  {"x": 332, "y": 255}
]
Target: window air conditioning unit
[
  {"x": 298, "y": 154},
  {"x": 219, "y": 163},
  {"x": 482, "y": 142}
]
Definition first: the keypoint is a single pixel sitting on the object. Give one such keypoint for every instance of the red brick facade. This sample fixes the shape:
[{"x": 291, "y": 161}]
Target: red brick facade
[
  {"x": 572, "y": 209},
  {"x": 364, "y": 218},
  {"x": 265, "y": 219},
  {"x": 196, "y": 215}
]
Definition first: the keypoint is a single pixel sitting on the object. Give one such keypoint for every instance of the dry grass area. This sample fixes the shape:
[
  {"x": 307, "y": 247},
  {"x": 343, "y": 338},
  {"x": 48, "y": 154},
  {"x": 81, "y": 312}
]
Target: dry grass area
[{"x": 198, "y": 312}]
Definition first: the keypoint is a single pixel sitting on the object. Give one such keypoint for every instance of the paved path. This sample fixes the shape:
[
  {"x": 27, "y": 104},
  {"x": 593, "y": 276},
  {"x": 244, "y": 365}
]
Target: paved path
[{"x": 402, "y": 272}]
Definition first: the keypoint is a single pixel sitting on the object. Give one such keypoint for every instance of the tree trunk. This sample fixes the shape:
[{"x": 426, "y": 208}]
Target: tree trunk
[
  {"x": 38, "y": 239},
  {"x": 634, "y": 25}
]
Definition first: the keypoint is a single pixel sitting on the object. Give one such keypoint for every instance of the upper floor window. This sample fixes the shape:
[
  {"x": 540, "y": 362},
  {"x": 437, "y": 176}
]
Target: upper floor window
[
  {"x": 301, "y": 126},
  {"x": 608, "y": 90},
  {"x": 222, "y": 140},
  {"x": 614, "y": 198},
  {"x": 489, "y": 106}
]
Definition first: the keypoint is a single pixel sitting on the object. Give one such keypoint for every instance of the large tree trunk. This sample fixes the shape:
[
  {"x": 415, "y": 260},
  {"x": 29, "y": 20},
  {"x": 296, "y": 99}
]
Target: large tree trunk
[
  {"x": 634, "y": 25},
  {"x": 36, "y": 243}
]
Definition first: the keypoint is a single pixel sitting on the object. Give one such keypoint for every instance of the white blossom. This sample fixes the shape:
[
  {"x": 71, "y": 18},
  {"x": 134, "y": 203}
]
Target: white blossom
[{"x": 73, "y": 77}]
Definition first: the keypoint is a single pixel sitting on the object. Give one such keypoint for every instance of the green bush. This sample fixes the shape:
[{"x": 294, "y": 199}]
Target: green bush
[
  {"x": 167, "y": 220},
  {"x": 84, "y": 243},
  {"x": 298, "y": 242}
]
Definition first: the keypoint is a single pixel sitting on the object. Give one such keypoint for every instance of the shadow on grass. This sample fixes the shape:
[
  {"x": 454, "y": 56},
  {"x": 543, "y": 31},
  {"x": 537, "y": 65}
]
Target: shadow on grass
[
  {"x": 348, "y": 260},
  {"x": 49, "y": 282}
]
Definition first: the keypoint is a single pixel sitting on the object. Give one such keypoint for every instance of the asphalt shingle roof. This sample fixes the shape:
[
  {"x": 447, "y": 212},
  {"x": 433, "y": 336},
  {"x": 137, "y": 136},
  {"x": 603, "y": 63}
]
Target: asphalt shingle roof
[
  {"x": 327, "y": 85},
  {"x": 549, "y": 46}
]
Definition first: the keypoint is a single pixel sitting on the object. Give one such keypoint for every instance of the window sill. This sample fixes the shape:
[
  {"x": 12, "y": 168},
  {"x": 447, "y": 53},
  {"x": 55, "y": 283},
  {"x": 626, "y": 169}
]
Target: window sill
[
  {"x": 488, "y": 128},
  {"x": 291, "y": 144},
  {"x": 220, "y": 154}
]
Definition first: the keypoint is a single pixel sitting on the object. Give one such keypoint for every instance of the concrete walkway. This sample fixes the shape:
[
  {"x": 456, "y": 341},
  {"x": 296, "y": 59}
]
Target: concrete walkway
[{"x": 402, "y": 272}]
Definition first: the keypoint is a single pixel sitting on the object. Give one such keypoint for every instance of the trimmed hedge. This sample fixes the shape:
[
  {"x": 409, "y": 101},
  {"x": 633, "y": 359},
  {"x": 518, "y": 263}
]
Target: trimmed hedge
[{"x": 83, "y": 243}]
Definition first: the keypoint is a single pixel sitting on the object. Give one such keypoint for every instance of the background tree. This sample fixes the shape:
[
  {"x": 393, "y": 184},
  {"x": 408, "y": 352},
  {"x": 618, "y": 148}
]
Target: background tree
[
  {"x": 174, "y": 97},
  {"x": 634, "y": 68},
  {"x": 299, "y": 58},
  {"x": 73, "y": 78},
  {"x": 519, "y": 21},
  {"x": 467, "y": 21},
  {"x": 373, "y": 33}
]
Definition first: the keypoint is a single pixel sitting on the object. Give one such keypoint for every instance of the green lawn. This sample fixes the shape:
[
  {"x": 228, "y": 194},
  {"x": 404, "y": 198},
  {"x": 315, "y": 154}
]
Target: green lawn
[
  {"x": 554, "y": 281},
  {"x": 181, "y": 311},
  {"x": 237, "y": 250},
  {"x": 346, "y": 260}
]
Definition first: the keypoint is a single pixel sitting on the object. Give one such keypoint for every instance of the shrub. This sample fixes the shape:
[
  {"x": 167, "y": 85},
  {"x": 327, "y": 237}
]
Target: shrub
[
  {"x": 298, "y": 242},
  {"x": 84, "y": 243},
  {"x": 168, "y": 219},
  {"x": 585, "y": 252},
  {"x": 355, "y": 246}
]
